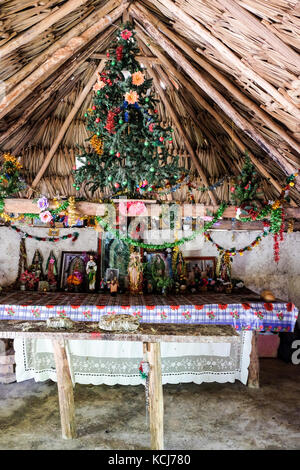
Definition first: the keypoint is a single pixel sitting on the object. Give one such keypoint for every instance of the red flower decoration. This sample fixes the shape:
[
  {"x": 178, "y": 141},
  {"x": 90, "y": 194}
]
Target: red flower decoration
[
  {"x": 289, "y": 306},
  {"x": 268, "y": 307},
  {"x": 199, "y": 307},
  {"x": 246, "y": 306},
  {"x": 125, "y": 307},
  {"x": 100, "y": 307},
  {"x": 75, "y": 306},
  {"x": 223, "y": 306},
  {"x": 174, "y": 307},
  {"x": 126, "y": 34},
  {"x": 49, "y": 306},
  {"x": 150, "y": 307}
]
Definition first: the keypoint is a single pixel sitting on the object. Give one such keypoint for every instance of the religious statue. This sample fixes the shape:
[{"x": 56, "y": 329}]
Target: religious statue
[
  {"x": 113, "y": 286},
  {"x": 37, "y": 266},
  {"x": 91, "y": 270},
  {"x": 51, "y": 268},
  {"x": 135, "y": 271}
]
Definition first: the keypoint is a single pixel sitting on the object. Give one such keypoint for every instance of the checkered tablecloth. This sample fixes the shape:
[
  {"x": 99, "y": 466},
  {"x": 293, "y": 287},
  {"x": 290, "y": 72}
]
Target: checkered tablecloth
[{"x": 243, "y": 310}]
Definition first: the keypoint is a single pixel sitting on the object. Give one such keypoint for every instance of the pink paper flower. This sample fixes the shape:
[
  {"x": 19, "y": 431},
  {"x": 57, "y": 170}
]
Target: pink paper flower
[
  {"x": 45, "y": 217},
  {"x": 126, "y": 34}
]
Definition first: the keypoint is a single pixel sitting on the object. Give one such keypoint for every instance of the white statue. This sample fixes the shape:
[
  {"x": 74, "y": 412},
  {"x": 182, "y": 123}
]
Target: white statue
[{"x": 91, "y": 270}]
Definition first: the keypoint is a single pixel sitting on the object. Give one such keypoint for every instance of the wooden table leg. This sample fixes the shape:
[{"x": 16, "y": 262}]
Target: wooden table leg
[
  {"x": 156, "y": 405},
  {"x": 253, "y": 377},
  {"x": 65, "y": 391}
]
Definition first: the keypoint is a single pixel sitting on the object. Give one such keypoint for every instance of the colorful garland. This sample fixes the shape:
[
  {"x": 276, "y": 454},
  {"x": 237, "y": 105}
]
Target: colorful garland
[
  {"x": 165, "y": 245},
  {"x": 73, "y": 235}
]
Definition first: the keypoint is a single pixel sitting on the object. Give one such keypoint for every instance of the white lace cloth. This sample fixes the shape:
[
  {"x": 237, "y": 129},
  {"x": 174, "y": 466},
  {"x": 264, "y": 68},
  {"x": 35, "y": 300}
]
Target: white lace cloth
[{"x": 117, "y": 362}]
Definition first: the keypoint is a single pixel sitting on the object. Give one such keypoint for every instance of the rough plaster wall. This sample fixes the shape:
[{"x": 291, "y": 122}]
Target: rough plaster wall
[
  {"x": 10, "y": 246},
  {"x": 257, "y": 268}
]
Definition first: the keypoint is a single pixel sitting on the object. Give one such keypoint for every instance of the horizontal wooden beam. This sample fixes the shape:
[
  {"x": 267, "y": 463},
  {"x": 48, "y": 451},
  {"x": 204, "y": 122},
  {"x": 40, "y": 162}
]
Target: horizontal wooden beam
[
  {"x": 21, "y": 206},
  {"x": 140, "y": 58}
]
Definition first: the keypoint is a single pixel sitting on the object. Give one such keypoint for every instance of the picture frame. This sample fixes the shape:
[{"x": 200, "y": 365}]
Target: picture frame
[
  {"x": 68, "y": 260},
  {"x": 204, "y": 263}
]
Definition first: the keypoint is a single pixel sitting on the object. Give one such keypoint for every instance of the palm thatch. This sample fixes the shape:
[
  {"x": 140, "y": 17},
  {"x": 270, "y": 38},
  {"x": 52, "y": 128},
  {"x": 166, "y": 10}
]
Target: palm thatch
[{"x": 226, "y": 73}]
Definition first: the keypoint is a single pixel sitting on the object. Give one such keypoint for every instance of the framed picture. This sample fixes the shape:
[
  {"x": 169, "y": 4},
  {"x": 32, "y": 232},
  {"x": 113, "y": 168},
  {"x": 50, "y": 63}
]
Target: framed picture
[
  {"x": 111, "y": 273},
  {"x": 73, "y": 267},
  {"x": 201, "y": 263}
]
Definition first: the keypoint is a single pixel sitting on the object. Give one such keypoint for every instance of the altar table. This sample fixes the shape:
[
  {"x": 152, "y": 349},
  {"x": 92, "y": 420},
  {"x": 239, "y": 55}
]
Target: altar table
[
  {"x": 151, "y": 335},
  {"x": 112, "y": 363}
]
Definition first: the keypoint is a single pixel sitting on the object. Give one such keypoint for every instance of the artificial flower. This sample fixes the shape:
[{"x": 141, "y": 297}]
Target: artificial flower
[
  {"x": 138, "y": 78},
  {"x": 45, "y": 217},
  {"x": 43, "y": 203},
  {"x": 126, "y": 34},
  {"x": 99, "y": 85},
  {"x": 131, "y": 97}
]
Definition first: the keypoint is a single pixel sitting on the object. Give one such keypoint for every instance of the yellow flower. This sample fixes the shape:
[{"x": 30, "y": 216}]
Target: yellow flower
[
  {"x": 138, "y": 78},
  {"x": 131, "y": 97}
]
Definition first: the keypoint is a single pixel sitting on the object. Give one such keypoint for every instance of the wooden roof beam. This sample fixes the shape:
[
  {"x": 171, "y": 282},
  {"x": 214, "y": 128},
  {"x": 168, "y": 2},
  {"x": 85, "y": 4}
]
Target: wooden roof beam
[
  {"x": 187, "y": 85},
  {"x": 140, "y": 58},
  {"x": 181, "y": 131},
  {"x": 255, "y": 25},
  {"x": 41, "y": 26},
  {"x": 233, "y": 89},
  {"x": 147, "y": 20},
  {"x": 226, "y": 52},
  {"x": 80, "y": 99},
  {"x": 20, "y": 92},
  {"x": 61, "y": 42}
]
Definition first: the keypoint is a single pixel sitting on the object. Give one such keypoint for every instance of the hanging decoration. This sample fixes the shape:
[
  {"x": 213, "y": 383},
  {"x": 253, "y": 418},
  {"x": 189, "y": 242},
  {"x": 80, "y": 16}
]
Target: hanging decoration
[
  {"x": 73, "y": 236},
  {"x": 97, "y": 144},
  {"x": 72, "y": 213}
]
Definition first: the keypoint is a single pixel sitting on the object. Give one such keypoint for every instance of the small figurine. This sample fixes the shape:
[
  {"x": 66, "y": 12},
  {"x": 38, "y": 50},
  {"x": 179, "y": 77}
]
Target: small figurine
[
  {"x": 91, "y": 270},
  {"x": 102, "y": 284},
  {"x": 113, "y": 286},
  {"x": 135, "y": 271}
]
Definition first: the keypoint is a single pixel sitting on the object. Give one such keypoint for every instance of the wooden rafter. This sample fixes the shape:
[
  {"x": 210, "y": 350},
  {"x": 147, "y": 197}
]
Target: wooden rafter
[
  {"x": 142, "y": 15},
  {"x": 227, "y": 53},
  {"x": 40, "y": 27},
  {"x": 199, "y": 99},
  {"x": 182, "y": 132},
  {"x": 80, "y": 99},
  {"x": 21, "y": 91},
  {"x": 263, "y": 116}
]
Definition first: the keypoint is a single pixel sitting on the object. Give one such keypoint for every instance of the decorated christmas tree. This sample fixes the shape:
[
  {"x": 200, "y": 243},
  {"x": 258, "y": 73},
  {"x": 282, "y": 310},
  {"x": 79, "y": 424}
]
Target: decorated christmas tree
[
  {"x": 246, "y": 194},
  {"x": 128, "y": 151}
]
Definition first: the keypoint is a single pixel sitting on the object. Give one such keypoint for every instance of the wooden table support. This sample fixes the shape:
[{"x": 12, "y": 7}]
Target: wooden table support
[
  {"x": 65, "y": 390},
  {"x": 156, "y": 403},
  {"x": 253, "y": 377}
]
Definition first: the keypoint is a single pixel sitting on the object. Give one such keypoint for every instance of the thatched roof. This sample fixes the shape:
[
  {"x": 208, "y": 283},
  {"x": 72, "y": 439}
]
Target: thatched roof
[{"x": 227, "y": 73}]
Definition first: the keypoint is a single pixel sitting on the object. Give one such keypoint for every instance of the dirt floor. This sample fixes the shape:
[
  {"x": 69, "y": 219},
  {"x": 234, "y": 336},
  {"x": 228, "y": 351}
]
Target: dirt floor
[{"x": 207, "y": 416}]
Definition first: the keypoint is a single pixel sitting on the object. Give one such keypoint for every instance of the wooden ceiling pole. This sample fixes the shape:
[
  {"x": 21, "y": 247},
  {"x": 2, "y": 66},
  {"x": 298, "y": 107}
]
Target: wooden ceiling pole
[
  {"x": 55, "y": 85},
  {"x": 187, "y": 85},
  {"x": 255, "y": 25},
  {"x": 61, "y": 42},
  {"x": 181, "y": 130},
  {"x": 177, "y": 56},
  {"x": 80, "y": 99},
  {"x": 41, "y": 26},
  {"x": 20, "y": 92},
  {"x": 226, "y": 52},
  {"x": 233, "y": 89}
]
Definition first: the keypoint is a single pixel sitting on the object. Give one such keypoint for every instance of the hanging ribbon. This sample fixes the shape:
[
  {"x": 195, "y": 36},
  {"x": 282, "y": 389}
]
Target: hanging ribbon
[{"x": 73, "y": 235}]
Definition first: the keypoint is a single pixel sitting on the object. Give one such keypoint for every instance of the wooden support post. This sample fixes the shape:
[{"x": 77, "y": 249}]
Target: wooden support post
[
  {"x": 156, "y": 405},
  {"x": 65, "y": 391},
  {"x": 253, "y": 378}
]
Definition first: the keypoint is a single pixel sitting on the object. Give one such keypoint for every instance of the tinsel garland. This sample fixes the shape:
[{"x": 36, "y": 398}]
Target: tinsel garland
[
  {"x": 166, "y": 245},
  {"x": 97, "y": 144},
  {"x": 233, "y": 251},
  {"x": 73, "y": 235}
]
